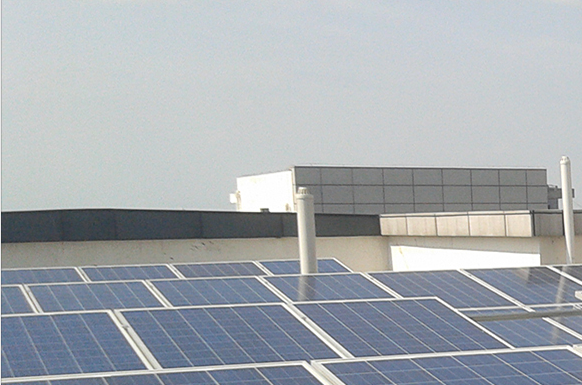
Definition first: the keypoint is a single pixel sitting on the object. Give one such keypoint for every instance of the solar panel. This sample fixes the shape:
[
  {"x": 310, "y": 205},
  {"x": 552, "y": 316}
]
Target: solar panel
[
  {"x": 127, "y": 273},
  {"x": 369, "y": 328},
  {"x": 14, "y": 301},
  {"x": 327, "y": 287},
  {"x": 531, "y": 285},
  {"x": 233, "y": 269},
  {"x": 94, "y": 296},
  {"x": 453, "y": 287},
  {"x": 574, "y": 270},
  {"x": 74, "y": 381},
  {"x": 226, "y": 335},
  {"x": 292, "y": 267},
  {"x": 279, "y": 375},
  {"x": 273, "y": 375},
  {"x": 540, "y": 367},
  {"x": 572, "y": 322},
  {"x": 215, "y": 291},
  {"x": 39, "y": 345},
  {"x": 530, "y": 332},
  {"x": 25, "y": 276}
]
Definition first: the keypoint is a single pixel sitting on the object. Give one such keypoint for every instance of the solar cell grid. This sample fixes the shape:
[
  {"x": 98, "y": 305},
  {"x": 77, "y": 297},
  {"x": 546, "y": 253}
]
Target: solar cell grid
[
  {"x": 14, "y": 301},
  {"x": 233, "y": 269},
  {"x": 29, "y": 276},
  {"x": 293, "y": 267},
  {"x": 225, "y": 335},
  {"x": 545, "y": 367},
  {"x": 573, "y": 270},
  {"x": 327, "y": 287},
  {"x": 572, "y": 322},
  {"x": 368, "y": 328},
  {"x": 531, "y": 285},
  {"x": 276, "y": 375},
  {"x": 127, "y": 273},
  {"x": 64, "y": 344},
  {"x": 453, "y": 287},
  {"x": 215, "y": 291},
  {"x": 530, "y": 332},
  {"x": 94, "y": 296}
]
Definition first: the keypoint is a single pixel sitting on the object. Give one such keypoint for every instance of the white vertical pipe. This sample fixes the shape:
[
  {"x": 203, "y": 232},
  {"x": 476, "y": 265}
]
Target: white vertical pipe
[
  {"x": 567, "y": 207},
  {"x": 306, "y": 231}
]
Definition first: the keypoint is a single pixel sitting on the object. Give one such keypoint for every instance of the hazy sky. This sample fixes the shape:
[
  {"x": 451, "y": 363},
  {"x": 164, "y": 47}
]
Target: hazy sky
[{"x": 162, "y": 104}]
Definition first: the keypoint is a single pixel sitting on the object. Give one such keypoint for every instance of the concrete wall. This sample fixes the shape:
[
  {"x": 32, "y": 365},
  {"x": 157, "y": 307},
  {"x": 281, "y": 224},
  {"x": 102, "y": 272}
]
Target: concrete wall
[
  {"x": 359, "y": 253},
  {"x": 550, "y": 250}
]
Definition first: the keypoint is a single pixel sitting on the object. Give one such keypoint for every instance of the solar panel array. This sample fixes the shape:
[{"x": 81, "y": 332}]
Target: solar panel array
[{"x": 263, "y": 323}]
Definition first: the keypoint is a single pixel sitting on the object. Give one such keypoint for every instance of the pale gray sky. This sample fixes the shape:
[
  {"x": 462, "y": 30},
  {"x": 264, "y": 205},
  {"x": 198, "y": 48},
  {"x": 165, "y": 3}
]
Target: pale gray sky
[{"x": 162, "y": 104}]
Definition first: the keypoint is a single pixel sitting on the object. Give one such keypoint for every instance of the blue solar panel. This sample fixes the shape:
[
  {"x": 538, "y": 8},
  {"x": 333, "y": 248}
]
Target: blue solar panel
[
  {"x": 544, "y": 367},
  {"x": 531, "y": 285},
  {"x": 215, "y": 291},
  {"x": 127, "y": 273},
  {"x": 530, "y": 332},
  {"x": 453, "y": 287},
  {"x": 280, "y": 375},
  {"x": 371, "y": 328},
  {"x": 235, "y": 335},
  {"x": 327, "y": 287},
  {"x": 574, "y": 270},
  {"x": 233, "y": 269},
  {"x": 94, "y": 296},
  {"x": 275, "y": 375},
  {"x": 292, "y": 267},
  {"x": 64, "y": 344},
  {"x": 14, "y": 301},
  {"x": 572, "y": 322},
  {"x": 75, "y": 381},
  {"x": 24, "y": 276}
]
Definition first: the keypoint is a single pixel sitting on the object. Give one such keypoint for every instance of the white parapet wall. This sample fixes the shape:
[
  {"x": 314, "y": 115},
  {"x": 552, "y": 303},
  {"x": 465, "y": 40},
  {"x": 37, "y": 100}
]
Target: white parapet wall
[
  {"x": 477, "y": 239},
  {"x": 370, "y": 253}
]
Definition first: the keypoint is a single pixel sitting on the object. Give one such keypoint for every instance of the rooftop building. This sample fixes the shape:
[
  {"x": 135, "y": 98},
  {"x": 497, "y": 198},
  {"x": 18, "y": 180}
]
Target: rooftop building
[{"x": 378, "y": 190}]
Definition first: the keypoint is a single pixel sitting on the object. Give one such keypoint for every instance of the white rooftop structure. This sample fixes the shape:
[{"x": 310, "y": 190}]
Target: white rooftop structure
[{"x": 379, "y": 190}]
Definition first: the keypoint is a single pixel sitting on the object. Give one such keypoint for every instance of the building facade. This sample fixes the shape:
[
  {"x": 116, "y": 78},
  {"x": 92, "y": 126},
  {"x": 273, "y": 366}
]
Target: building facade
[{"x": 378, "y": 190}]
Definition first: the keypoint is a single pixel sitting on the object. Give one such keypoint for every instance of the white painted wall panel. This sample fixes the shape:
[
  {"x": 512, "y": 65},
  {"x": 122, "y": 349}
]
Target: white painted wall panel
[{"x": 272, "y": 191}]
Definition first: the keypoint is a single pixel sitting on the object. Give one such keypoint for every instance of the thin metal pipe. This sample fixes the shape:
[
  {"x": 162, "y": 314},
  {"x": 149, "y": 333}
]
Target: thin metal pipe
[{"x": 567, "y": 207}]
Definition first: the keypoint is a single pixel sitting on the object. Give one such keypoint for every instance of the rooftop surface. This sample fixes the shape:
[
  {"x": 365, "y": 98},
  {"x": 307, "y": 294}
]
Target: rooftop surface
[{"x": 262, "y": 323}]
